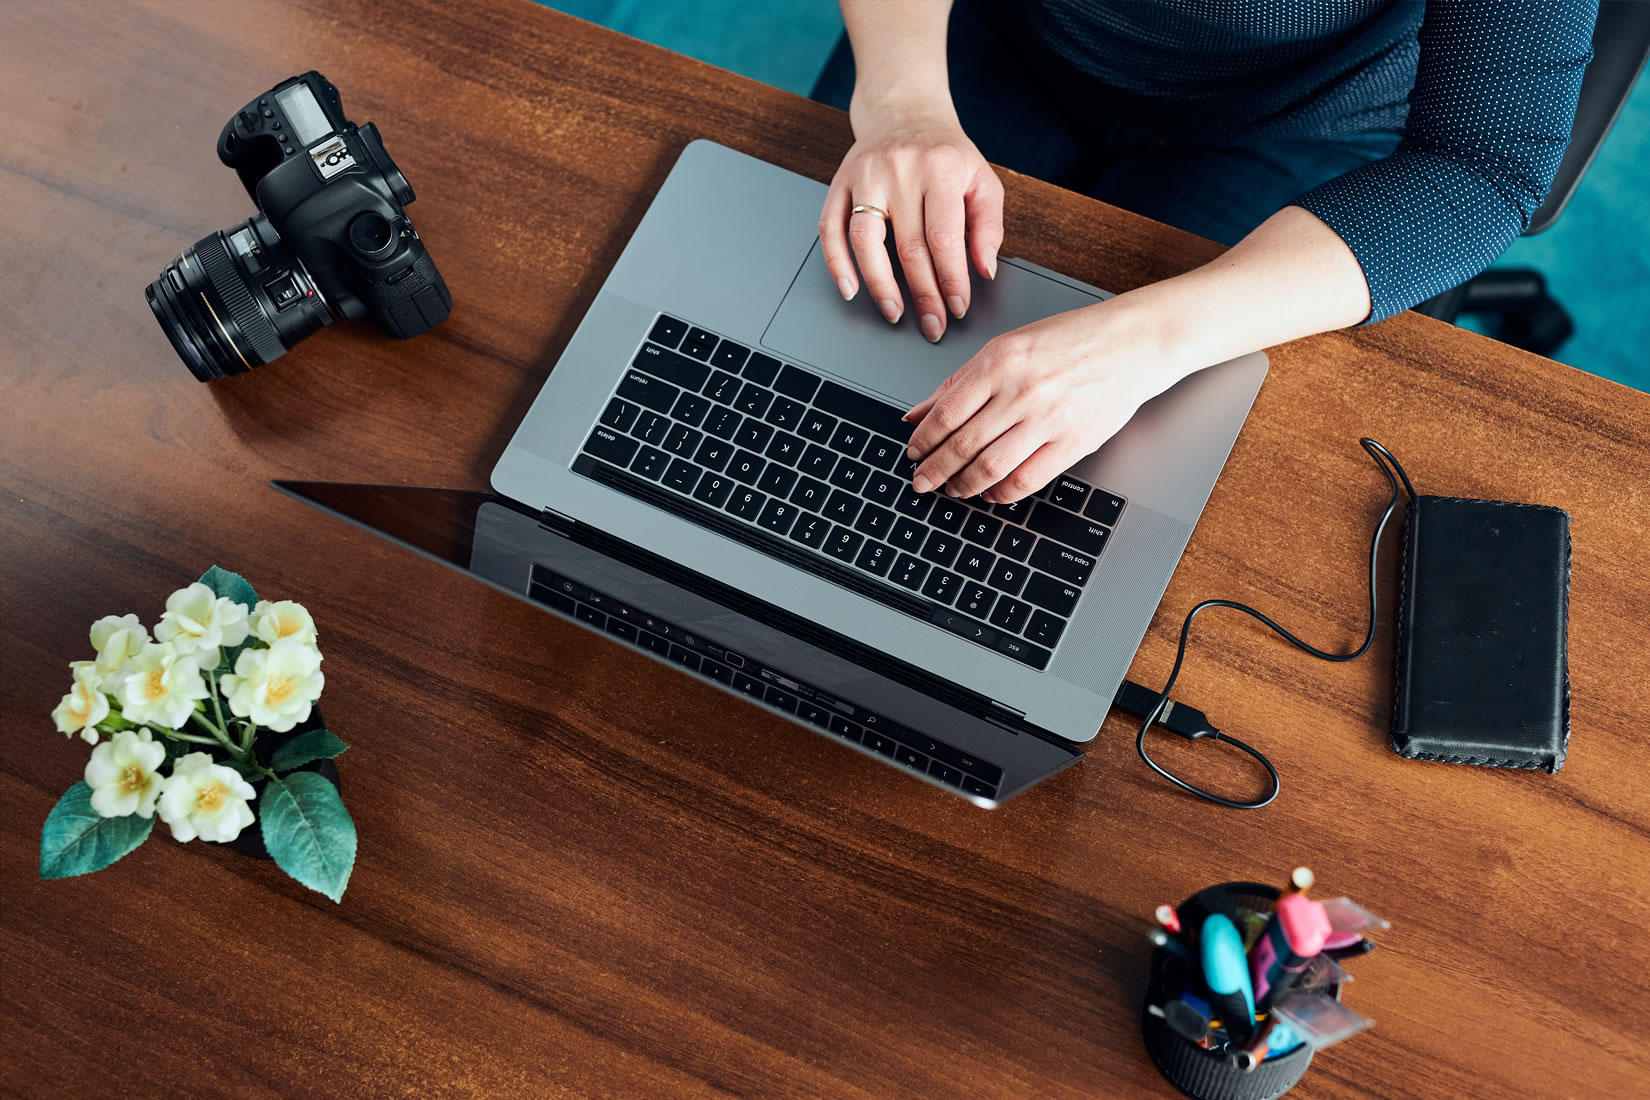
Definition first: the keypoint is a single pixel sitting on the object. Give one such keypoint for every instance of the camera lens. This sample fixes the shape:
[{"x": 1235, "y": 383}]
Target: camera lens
[{"x": 236, "y": 300}]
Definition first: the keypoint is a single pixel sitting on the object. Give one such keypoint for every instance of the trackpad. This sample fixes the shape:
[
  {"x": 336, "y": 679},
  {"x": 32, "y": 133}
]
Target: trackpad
[{"x": 852, "y": 340}]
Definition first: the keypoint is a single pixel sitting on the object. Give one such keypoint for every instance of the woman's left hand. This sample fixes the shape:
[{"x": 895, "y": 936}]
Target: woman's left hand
[{"x": 1034, "y": 401}]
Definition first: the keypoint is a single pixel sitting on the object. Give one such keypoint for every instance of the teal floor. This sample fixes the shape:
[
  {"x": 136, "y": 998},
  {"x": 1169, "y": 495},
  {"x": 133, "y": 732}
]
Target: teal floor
[{"x": 1596, "y": 258}]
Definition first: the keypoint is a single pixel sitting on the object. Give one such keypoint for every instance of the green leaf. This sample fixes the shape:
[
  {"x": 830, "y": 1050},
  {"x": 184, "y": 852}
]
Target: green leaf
[
  {"x": 246, "y": 771},
  {"x": 224, "y": 583},
  {"x": 314, "y": 745},
  {"x": 308, "y": 831},
  {"x": 77, "y": 840}
]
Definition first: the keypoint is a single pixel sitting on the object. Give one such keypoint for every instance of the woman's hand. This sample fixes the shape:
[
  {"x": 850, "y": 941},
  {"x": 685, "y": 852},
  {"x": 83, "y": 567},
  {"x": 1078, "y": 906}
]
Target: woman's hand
[
  {"x": 943, "y": 201},
  {"x": 1035, "y": 400}
]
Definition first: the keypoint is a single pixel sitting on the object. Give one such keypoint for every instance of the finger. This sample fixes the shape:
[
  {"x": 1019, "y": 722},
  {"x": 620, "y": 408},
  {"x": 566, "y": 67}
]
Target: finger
[
  {"x": 833, "y": 241},
  {"x": 996, "y": 461},
  {"x": 1045, "y": 464},
  {"x": 911, "y": 246},
  {"x": 957, "y": 399},
  {"x": 983, "y": 204},
  {"x": 866, "y": 232},
  {"x": 920, "y": 409},
  {"x": 965, "y": 442},
  {"x": 943, "y": 226}
]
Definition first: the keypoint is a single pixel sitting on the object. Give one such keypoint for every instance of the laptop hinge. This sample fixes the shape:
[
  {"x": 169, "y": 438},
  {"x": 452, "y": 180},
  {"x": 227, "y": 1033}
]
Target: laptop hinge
[
  {"x": 552, "y": 520},
  {"x": 1013, "y": 717}
]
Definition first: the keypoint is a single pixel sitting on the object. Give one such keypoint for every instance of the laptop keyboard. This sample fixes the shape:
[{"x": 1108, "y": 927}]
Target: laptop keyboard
[{"x": 814, "y": 473}]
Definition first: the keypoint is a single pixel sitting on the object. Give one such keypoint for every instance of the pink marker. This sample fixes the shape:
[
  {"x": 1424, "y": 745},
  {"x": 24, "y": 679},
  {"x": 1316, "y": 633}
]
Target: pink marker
[{"x": 1296, "y": 932}]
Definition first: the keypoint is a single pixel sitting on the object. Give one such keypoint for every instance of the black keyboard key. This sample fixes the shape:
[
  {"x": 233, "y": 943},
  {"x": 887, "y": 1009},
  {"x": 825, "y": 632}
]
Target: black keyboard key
[
  {"x": 688, "y": 373},
  {"x": 784, "y": 700},
  {"x": 654, "y": 644},
  {"x": 1104, "y": 507},
  {"x": 910, "y": 572},
  {"x": 1063, "y": 562},
  {"x": 699, "y": 343},
  {"x": 842, "y": 507},
  {"x": 777, "y": 516},
  {"x": 785, "y": 448},
  {"x": 681, "y": 475},
  {"x": 849, "y": 439},
  {"x": 817, "y": 426},
  {"x": 713, "y": 489},
  {"x": 620, "y": 415},
  {"x": 722, "y": 423},
  {"x": 911, "y": 758},
  {"x": 785, "y": 413},
  {"x": 850, "y": 475},
  {"x": 722, "y": 387},
  {"x": 817, "y": 461},
  {"x": 1068, "y": 493},
  {"x": 713, "y": 453},
  {"x": 1062, "y": 526},
  {"x": 685, "y": 657},
  {"x": 908, "y": 535},
  {"x": 1033, "y": 655},
  {"x": 777, "y": 480},
  {"x": 610, "y": 446},
  {"x": 884, "y": 489},
  {"x": 975, "y": 563},
  {"x": 814, "y": 715},
  {"x": 753, "y": 400},
  {"x": 970, "y": 628},
  {"x": 746, "y": 503},
  {"x": 948, "y": 514},
  {"x": 880, "y": 743},
  {"x": 941, "y": 548},
  {"x": 1050, "y": 594},
  {"x": 811, "y": 530},
  {"x": 1016, "y": 512},
  {"x": 730, "y": 356},
  {"x": 650, "y": 463},
  {"x": 865, "y": 411},
  {"x": 981, "y": 528},
  {"x": 912, "y": 503},
  {"x": 1010, "y": 614},
  {"x": 668, "y": 331},
  {"x": 682, "y": 440},
  {"x": 746, "y": 467},
  {"x": 945, "y": 773},
  {"x": 1015, "y": 543},
  {"x": 747, "y": 684},
  {"x": 1045, "y": 629},
  {"x": 753, "y": 435},
  {"x": 843, "y": 543},
  {"x": 652, "y": 428},
  {"x": 1008, "y": 576},
  {"x": 942, "y": 585},
  {"x": 875, "y": 559},
  {"x": 874, "y": 521},
  {"x": 882, "y": 453},
  {"x": 762, "y": 369},
  {"x": 717, "y": 671},
  {"x": 621, "y": 629},
  {"x": 644, "y": 389},
  {"x": 976, "y": 600},
  {"x": 811, "y": 494},
  {"x": 691, "y": 409},
  {"x": 796, "y": 383}
]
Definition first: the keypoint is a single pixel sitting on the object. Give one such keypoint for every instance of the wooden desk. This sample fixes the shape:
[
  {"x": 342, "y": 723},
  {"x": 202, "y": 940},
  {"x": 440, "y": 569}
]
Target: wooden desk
[{"x": 582, "y": 872}]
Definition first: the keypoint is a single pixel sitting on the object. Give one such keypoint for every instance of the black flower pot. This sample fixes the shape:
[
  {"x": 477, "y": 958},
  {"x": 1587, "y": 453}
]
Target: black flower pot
[{"x": 251, "y": 840}]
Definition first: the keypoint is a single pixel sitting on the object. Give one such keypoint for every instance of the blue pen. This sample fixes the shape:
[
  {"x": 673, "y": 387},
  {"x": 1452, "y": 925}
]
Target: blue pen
[{"x": 1226, "y": 973}]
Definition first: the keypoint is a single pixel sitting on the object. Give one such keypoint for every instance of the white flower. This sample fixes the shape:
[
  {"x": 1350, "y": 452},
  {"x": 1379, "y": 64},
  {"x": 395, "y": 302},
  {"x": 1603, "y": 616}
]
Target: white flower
[
  {"x": 272, "y": 621},
  {"x": 206, "y": 800},
  {"x": 122, "y": 774},
  {"x": 85, "y": 705},
  {"x": 161, "y": 686},
  {"x": 275, "y": 687},
  {"x": 117, "y": 639},
  {"x": 196, "y": 621}
]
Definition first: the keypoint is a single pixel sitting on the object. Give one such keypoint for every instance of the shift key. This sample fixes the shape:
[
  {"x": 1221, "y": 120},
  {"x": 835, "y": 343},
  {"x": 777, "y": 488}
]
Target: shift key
[{"x": 1067, "y": 527}]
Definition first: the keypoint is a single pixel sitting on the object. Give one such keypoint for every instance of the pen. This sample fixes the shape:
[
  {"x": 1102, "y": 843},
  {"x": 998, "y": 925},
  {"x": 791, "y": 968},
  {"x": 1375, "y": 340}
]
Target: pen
[
  {"x": 1168, "y": 918},
  {"x": 1172, "y": 944},
  {"x": 1293, "y": 936},
  {"x": 1300, "y": 881},
  {"x": 1226, "y": 973}
]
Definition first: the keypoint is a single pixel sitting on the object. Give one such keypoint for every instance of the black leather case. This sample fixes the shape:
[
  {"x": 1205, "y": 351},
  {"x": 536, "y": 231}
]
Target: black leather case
[{"x": 1483, "y": 616}]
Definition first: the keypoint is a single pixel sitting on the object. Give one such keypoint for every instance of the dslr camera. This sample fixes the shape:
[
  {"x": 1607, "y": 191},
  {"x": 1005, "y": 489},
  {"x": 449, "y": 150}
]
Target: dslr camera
[{"x": 331, "y": 239}]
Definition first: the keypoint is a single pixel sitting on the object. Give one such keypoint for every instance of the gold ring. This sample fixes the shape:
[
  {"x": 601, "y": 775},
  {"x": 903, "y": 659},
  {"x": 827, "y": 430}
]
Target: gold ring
[{"x": 866, "y": 208}]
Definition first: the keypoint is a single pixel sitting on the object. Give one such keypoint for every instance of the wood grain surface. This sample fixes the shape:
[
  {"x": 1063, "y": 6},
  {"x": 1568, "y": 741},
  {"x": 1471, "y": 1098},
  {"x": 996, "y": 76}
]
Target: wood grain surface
[{"x": 582, "y": 873}]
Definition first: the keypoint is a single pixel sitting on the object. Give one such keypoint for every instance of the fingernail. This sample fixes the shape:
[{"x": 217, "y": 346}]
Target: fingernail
[
  {"x": 847, "y": 289},
  {"x": 958, "y": 306},
  {"x": 890, "y": 309},
  {"x": 911, "y": 452},
  {"x": 950, "y": 491},
  {"x": 931, "y": 328},
  {"x": 993, "y": 274},
  {"x": 907, "y": 417},
  {"x": 921, "y": 483}
]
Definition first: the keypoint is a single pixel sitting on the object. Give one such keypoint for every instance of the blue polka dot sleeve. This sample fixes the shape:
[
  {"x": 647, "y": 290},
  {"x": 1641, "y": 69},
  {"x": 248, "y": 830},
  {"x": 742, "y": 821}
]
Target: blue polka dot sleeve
[{"x": 1489, "y": 119}]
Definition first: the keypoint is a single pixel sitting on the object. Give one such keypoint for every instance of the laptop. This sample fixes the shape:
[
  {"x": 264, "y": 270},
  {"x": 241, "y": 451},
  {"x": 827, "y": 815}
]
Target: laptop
[{"x": 714, "y": 474}]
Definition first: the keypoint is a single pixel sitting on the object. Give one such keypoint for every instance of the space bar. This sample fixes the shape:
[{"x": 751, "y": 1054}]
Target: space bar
[{"x": 783, "y": 549}]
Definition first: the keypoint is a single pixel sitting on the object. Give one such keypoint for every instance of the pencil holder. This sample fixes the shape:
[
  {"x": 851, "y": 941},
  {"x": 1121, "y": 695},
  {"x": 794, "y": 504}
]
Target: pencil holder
[{"x": 1203, "y": 1074}]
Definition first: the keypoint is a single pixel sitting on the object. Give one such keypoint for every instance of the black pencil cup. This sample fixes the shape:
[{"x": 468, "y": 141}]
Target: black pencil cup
[{"x": 1202, "y": 1074}]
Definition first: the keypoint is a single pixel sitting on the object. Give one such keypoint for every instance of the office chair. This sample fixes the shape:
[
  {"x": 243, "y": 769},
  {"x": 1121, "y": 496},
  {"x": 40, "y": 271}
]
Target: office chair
[{"x": 1524, "y": 313}]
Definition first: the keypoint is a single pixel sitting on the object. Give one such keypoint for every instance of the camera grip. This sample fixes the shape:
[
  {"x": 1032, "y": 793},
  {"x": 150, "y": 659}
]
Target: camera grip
[{"x": 412, "y": 301}]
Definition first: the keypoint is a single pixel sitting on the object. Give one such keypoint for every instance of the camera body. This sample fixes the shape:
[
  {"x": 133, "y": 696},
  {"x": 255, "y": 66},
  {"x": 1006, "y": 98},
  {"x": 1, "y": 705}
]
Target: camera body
[{"x": 331, "y": 239}]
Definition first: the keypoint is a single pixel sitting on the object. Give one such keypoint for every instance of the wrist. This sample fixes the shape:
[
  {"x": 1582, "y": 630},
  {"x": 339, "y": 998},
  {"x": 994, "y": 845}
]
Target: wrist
[
  {"x": 906, "y": 107},
  {"x": 1159, "y": 330}
]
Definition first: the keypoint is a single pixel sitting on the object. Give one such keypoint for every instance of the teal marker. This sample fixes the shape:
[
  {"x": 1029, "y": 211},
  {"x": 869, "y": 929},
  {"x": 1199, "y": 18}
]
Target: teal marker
[{"x": 1226, "y": 973}]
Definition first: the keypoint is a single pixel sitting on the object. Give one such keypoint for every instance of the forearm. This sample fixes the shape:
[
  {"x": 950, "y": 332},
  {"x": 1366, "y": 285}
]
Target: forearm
[{"x": 899, "y": 56}]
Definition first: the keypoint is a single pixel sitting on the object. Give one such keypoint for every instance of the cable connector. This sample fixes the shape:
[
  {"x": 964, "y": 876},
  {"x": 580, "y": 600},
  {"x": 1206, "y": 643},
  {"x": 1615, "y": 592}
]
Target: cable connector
[{"x": 1177, "y": 718}]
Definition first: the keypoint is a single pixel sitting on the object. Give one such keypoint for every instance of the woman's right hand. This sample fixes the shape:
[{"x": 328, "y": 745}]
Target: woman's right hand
[{"x": 944, "y": 205}]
